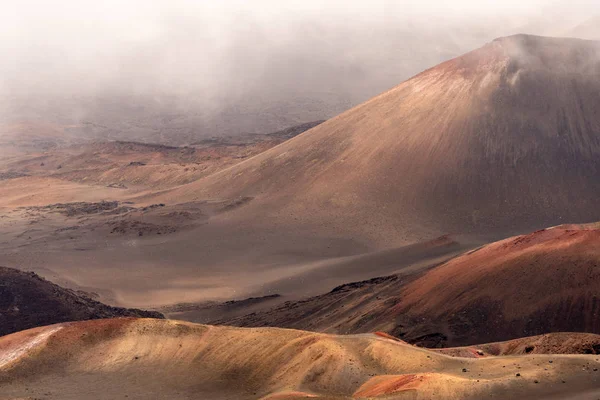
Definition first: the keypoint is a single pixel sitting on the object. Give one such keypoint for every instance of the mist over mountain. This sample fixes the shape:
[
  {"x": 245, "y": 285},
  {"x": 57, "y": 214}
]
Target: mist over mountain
[
  {"x": 148, "y": 73},
  {"x": 380, "y": 174}
]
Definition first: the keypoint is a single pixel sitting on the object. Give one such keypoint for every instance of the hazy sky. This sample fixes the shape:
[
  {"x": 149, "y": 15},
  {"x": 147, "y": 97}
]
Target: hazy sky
[
  {"x": 268, "y": 56},
  {"x": 83, "y": 23},
  {"x": 97, "y": 40}
]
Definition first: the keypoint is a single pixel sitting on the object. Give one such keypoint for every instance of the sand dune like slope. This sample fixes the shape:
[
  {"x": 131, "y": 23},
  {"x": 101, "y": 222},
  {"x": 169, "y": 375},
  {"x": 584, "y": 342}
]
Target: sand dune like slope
[
  {"x": 502, "y": 140},
  {"x": 546, "y": 281},
  {"x": 141, "y": 359}
]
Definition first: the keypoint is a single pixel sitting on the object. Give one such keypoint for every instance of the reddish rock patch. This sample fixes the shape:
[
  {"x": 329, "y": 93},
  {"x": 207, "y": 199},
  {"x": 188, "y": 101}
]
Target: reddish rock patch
[
  {"x": 388, "y": 336},
  {"x": 289, "y": 396},
  {"x": 389, "y": 384}
]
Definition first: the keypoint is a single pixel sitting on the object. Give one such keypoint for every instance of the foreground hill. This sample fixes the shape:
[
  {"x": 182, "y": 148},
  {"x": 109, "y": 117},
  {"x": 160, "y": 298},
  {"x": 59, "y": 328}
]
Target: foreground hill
[
  {"x": 140, "y": 359},
  {"x": 503, "y": 139},
  {"x": 27, "y": 301},
  {"x": 547, "y": 281}
]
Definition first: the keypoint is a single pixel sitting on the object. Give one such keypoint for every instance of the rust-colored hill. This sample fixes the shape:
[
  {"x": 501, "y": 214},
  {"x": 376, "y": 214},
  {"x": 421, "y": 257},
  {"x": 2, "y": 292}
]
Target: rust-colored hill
[
  {"x": 141, "y": 359},
  {"x": 28, "y": 301},
  {"x": 547, "y": 281},
  {"x": 502, "y": 140}
]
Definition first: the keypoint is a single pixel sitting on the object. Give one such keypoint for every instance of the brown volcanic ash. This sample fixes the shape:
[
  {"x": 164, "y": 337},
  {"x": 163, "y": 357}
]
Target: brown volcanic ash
[
  {"x": 500, "y": 140},
  {"x": 27, "y": 301},
  {"x": 547, "y": 281}
]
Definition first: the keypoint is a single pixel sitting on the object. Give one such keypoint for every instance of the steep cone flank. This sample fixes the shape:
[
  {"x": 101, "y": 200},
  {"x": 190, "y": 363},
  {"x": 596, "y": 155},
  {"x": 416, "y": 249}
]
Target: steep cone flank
[{"x": 499, "y": 140}]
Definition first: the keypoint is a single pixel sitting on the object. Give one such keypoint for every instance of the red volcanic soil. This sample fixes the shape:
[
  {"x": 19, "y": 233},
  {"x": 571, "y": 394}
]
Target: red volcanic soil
[
  {"x": 389, "y": 385},
  {"x": 387, "y": 336},
  {"x": 290, "y": 396},
  {"x": 547, "y": 281}
]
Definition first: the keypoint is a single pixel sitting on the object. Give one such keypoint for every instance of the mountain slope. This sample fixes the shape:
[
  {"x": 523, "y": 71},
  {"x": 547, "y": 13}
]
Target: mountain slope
[
  {"x": 27, "y": 301},
  {"x": 500, "y": 140}
]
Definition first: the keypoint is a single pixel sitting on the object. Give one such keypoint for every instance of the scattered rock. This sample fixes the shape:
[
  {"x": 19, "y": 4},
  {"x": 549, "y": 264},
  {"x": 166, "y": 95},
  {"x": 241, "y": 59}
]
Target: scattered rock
[
  {"x": 78, "y": 208},
  {"x": 152, "y": 207},
  {"x": 116, "y": 185},
  {"x": 11, "y": 175},
  {"x": 142, "y": 228}
]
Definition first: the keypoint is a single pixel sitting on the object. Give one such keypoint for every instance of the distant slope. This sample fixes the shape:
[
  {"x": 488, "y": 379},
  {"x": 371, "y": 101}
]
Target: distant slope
[
  {"x": 253, "y": 138},
  {"x": 126, "y": 163},
  {"x": 551, "y": 343},
  {"x": 589, "y": 29},
  {"x": 27, "y": 301},
  {"x": 141, "y": 359},
  {"x": 502, "y": 140},
  {"x": 547, "y": 281}
]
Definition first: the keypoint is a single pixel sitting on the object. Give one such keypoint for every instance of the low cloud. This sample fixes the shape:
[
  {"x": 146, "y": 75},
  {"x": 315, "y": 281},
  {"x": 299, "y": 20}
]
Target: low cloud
[{"x": 198, "y": 68}]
